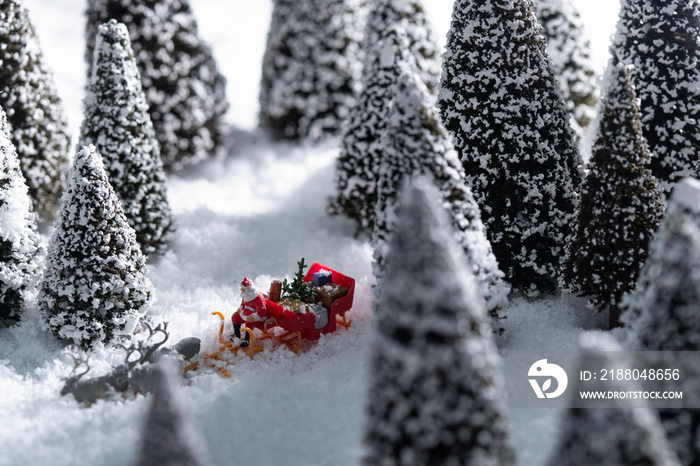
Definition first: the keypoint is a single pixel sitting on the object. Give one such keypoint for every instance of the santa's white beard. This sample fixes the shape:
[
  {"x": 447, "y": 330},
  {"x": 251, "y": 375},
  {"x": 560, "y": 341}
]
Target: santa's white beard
[{"x": 250, "y": 293}]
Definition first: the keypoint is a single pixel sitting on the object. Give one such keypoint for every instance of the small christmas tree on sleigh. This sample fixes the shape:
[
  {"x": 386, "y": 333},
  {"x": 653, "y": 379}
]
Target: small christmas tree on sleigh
[{"x": 311, "y": 305}]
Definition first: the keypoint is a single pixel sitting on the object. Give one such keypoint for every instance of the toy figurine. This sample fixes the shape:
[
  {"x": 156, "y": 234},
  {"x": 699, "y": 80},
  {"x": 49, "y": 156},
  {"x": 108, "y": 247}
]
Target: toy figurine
[{"x": 253, "y": 309}]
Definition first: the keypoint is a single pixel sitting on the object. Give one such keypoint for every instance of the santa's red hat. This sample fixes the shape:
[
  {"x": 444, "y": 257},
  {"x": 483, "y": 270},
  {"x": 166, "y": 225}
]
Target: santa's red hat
[{"x": 246, "y": 282}]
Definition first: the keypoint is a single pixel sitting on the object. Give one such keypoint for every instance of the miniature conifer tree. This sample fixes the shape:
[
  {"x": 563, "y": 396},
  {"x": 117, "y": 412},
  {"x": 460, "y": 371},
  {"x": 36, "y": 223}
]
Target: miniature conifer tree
[
  {"x": 168, "y": 435},
  {"x": 310, "y": 71},
  {"x": 34, "y": 111},
  {"x": 357, "y": 167},
  {"x": 669, "y": 314},
  {"x": 621, "y": 204},
  {"x": 298, "y": 289},
  {"x": 660, "y": 39},
  {"x": 685, "y": 202},
  {"x": 435, "y": 384},
  {"x": 669, "y": 309},
  {"x": 184, "y": 90},
  {"x": 417, "y": 143},
  {"x": 570, "y": 52},
  {"x": 630, "y": 433},
  {"x": 118, "y": 124},
  {"x": 95, "y": 286},
  {"x": 19, "y": 239},
  {"x": 410, "y": 15},
  {"x": 500, "y": 102}
]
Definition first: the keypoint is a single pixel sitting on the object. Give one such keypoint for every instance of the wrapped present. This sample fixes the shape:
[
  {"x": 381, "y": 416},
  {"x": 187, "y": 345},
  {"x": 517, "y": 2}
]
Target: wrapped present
[
  {"x": 329, "y": 293},
  {"x": 321, "y": 316},
  {"x": 320, "y": 278}
]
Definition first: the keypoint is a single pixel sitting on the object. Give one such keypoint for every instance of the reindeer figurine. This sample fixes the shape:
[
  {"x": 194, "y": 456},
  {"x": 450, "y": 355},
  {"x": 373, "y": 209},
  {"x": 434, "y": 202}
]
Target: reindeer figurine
[{"x": 135, "y": 374}]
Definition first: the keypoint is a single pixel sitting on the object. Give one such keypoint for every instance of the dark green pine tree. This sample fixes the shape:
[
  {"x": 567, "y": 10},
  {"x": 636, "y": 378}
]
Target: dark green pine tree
[
  {"x": 410, "y": 15},
  {"x": 95, "y": 287},
  {"x": 357, "y": 167},
  {"x": 417, "y": 143},
  {"x": 668, "y": 306},
  {"x": 660, "y": 38},
  {"x": 500, "y": 101},
  {"x": 118, "y": 125},
  {"x": 34, "y": 111},
  {"x": 435, "y": 384},
  {"x": 570, "y": 51},
  {"x": 185, "y": 92},
  {"x": 621, "y": 204},
  {"x": 19, "y": 240},
  {"x": 310, "y": 71}
]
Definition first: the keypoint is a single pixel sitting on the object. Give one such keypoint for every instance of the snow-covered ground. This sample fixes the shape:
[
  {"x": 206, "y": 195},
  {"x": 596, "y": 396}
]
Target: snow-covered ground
[{"x": 254, "y": 214}]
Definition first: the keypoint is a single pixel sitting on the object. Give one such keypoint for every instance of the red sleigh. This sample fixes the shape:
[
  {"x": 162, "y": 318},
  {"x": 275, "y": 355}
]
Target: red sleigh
[{"x": 284, "y": 326}]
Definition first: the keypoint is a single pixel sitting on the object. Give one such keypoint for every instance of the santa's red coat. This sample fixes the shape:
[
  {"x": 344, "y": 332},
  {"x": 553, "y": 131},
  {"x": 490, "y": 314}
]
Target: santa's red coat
[{"x": 255, "y": 308}]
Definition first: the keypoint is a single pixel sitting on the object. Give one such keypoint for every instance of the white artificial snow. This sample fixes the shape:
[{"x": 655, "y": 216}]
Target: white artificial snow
[
  {"x": 254, "y": 214},
  {"x": 322, "y": 390}
]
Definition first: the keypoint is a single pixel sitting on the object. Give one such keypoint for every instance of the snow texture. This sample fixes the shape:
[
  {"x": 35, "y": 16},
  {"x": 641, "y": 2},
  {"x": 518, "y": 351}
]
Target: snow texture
[
  {"x": 436, "y": 391},
  {"x": 34, "y": 110},
  {"x": 621, "y": 204},
  {"x": 411, "y": 16},
  {"x": 416, "y": 143},
  {"x": 19, "y": 240},
  {"x": 95, "y": 286},
  {"x": 310, "y": 70},
  {"x": 570, "y": 52},
  {"x": 660, "y": 39},
  {"x": 622, "y": 434},
  {"x": 118, "y": 125},
  {"x": 236, "y": 218},
  {"x": 169, "y": 437},
  {"x": 247, "y": 209},
  {"x": 357, "y": 170},
  {"x": 184, "y": 90},
  {"x": 500, "y": 102}
]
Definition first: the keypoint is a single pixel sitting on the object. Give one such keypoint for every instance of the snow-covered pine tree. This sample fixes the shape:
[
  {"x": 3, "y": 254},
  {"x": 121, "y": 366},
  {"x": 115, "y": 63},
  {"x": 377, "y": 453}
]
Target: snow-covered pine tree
[
  {"x": 435, "y": 384},
  {"x": 500, "y": 101},
  {"x": 168, "y": 435},
  {"x": 416, "y": 143},
  {"x": 621, "y": 204},
  {"x": 615, "y": 432},
  {"x": 660, "y": 39},
  {"x": 95, "y": 284},
  {"x": 310, "y": 69},
  {"x": 570, "y": 51},
  {"x": 357, "y": 167},
  {"x": 19, "y": 240},
  {"x": 669, "y": 313},
  {"x": 118, "y": 125},
  {"x": 34, "y": 111},
  {"x": 669, "y": 317},
  {"x": 422, "y": 48},
  {"x": 685, "y": 202},
  {"x": 186, "y": 93}
]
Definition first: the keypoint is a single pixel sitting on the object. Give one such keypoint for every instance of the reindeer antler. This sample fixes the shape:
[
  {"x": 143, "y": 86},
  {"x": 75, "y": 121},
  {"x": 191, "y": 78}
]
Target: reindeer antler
[
  {"x": 133, "y": 348},
  {"x": 77, "y": 362},
  {"x": 145, "y": 351},
  {"x": 149, "y": 350}
]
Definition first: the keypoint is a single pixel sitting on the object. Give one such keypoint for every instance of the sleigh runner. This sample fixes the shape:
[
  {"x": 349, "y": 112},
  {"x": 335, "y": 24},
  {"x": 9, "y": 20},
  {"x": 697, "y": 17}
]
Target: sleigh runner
[{"x": 334, "y": 294}]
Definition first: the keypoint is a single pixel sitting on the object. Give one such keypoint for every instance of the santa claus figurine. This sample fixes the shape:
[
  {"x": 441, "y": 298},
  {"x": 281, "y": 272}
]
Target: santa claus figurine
[{"x": 252, "y": 309}]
